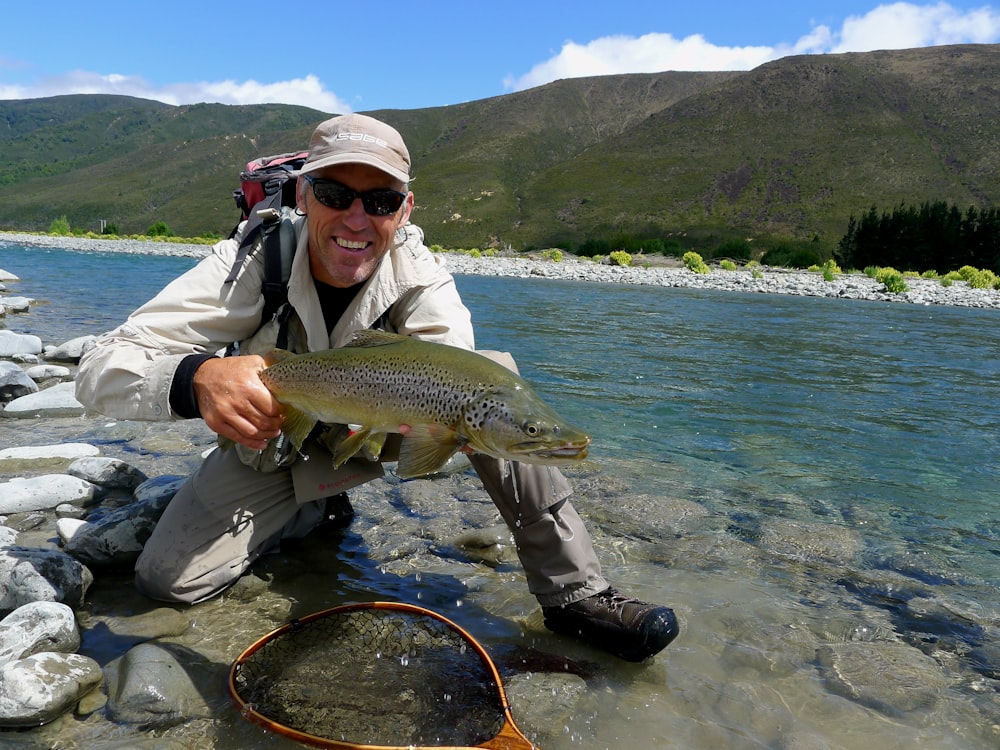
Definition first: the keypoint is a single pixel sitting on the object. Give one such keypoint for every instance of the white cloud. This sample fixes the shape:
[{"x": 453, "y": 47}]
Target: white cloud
[
  {"x": 893, "y": 26},
  {"x": 904, "y": 25},
  {"x": 307, "y": 92}
]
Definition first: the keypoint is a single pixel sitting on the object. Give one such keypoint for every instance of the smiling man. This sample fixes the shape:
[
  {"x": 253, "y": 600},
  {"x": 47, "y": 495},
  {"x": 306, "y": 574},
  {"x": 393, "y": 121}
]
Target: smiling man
[{"x": 359, "y": 264}]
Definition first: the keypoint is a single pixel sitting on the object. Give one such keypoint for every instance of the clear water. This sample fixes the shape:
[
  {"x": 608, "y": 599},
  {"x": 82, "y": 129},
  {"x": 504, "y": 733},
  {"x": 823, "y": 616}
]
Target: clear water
[{"x": 818, "y": 415}]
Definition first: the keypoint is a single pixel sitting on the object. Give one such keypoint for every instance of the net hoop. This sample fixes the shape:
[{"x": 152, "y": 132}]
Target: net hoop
[{"x": 508, "y": 738}]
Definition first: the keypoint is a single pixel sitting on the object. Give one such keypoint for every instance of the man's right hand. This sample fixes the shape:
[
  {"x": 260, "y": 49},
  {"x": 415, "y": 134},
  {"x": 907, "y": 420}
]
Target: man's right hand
[{"x": 235, "y": 403}]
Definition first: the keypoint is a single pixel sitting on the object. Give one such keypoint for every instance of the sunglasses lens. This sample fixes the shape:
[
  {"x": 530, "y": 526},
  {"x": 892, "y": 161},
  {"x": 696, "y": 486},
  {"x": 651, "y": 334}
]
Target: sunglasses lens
[
  {"x": 333, "y": 195},
  {"x": 382, "y": 202}
]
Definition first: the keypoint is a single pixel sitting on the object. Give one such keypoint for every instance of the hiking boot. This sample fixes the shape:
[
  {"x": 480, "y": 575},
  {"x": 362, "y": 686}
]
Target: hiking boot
[{"x": 628, "y": 628}]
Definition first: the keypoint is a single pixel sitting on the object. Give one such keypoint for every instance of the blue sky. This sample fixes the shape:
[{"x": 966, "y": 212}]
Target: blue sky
[{"x": 341, "y": 57}]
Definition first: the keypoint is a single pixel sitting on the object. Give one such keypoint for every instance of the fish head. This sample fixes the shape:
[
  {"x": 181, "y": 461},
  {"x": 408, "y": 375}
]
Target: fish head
[{"x": 516, "y": 425}]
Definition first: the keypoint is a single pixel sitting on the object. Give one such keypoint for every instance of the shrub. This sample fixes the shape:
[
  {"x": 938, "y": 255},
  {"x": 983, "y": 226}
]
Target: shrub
[
  {"x": 554, "y": 254},
  {"x": 620, "y": 258},
  {"x": 727, "y": 265},
  {"x": 892, "y": 279},
  {"x": 694, "y": 262},
  {"x": 59, "y": 226},
  {"x": 159, "y": 229},
  {"x": 978, "y": 279}
]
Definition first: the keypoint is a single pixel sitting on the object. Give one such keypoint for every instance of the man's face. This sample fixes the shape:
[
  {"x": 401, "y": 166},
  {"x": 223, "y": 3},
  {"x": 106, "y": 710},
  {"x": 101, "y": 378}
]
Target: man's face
[{"x": 346, "y": 246}]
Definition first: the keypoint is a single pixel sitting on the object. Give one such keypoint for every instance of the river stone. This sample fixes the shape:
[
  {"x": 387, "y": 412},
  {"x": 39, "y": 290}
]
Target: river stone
[
  {"x": 8, "y": 536},
  {"x": 118, "y": 537},
  {"x": 70, "y": 351},
  {"x": 159, "y": 685},
  {"x": 40, "y": 688},
  {"x": 43, "y": 457},
  {"x": 545, "y": 699},
  {"x": 48, "y": 372},
  {"x": 110, "y": 473},
  {"x": 810, "y": 543},
  {"x": 43, "y": 493},
  {"x": 492, "y": 546},
  {"x": 37, "y": 627},
  {"x": 14, "y": 382},
  {"x": 17, "y": 304},
  {"x": 18, "y": 343},
  {"x": 57, "y": 401},
  {"x": 890, "y": 677},
  {"x": 37, "y": 574}
]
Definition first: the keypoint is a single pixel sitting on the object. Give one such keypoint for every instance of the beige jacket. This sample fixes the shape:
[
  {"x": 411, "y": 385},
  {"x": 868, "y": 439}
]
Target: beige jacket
[{"x": 128, "y": 374}]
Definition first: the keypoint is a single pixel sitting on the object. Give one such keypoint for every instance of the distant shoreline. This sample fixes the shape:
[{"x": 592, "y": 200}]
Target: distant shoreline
[{"x": 766, "y": 280}]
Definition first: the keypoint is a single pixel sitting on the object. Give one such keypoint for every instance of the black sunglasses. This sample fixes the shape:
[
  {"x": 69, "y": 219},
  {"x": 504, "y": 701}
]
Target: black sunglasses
[{"x": 336, "y": 195}]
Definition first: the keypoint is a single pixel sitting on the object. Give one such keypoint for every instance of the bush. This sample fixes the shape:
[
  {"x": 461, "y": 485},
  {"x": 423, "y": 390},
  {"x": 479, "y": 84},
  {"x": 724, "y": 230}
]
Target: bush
[
  {"x": 554, "y": 254},
  {"x": 978, "y": 279},
  {"x": 159, "y": 229},
  {"x": 620, "y": 258},
  {"x": 60, "y": 226},
  {"x": 892, "y": 279},
  {"x": 727, "y": 265},
  {"x": 694, "y": 262}
]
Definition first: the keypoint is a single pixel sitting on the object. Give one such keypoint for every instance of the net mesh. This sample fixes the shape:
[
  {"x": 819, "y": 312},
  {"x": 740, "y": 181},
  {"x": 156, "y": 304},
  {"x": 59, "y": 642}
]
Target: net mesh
[{"x": 373, "y": 677}]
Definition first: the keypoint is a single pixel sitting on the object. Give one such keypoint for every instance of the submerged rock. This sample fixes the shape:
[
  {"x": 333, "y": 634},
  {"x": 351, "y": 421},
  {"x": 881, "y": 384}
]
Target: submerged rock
[
  {"x": 890, "y": 677},
  {"x": 157, "y": 685}
]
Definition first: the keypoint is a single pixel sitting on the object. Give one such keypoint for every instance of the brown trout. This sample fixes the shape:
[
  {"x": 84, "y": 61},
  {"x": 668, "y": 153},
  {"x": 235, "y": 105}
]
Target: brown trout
[{"x": 451, "y": 399}]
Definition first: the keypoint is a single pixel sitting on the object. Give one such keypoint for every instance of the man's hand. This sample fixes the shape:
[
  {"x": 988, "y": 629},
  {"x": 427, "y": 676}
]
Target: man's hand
[{"x": 235, "y": 403}]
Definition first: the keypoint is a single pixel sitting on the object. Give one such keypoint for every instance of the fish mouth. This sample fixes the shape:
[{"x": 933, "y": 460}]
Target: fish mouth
[{"x": 566, "y": 452}]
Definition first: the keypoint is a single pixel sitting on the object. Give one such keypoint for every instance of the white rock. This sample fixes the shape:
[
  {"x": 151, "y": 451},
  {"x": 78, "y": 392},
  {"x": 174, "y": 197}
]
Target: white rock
[
  {"x": 36, "y": 627},
  {"x": 17, "y": 304},
  {"x": 68, "y": 451},
  {"x": 66, "y": 528},
  {"x": 57, "y": 401},
  {"x": 42, "y": 687},
  {"x": 46, "y": 372},
  {"x": 19, "y": 343},
  {"x": 43, "y": 492}
]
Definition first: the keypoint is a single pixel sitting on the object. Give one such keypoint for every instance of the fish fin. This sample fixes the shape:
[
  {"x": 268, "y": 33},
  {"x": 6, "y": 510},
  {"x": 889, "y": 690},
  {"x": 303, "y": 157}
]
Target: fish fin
[
  {"x": 276, "y": 355},
  {"x": 372, "y": 449},
  {"x": 297, "y": 426},
  {"x": 365, "y": 442},
  {"x": 349, "y": 446},
  {"x": 371, "y": 337},
  {"x": 425, "y": 449}
]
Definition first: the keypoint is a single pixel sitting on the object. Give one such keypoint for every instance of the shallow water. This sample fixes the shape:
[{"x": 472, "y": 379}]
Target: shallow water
[{"x": 794, "y": 475}]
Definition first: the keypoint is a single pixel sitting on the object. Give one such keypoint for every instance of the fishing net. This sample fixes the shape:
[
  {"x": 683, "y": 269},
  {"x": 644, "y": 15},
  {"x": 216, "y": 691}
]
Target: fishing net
[{"x": 375, "y": 675}]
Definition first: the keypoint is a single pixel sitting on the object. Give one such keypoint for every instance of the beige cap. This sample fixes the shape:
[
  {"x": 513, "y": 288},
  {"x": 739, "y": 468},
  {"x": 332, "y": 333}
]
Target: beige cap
[{"x": 358, "y": 139}]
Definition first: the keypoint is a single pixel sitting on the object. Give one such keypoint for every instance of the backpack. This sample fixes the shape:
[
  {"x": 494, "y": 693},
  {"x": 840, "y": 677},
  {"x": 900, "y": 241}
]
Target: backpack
[{"x": 266, "y": 199}]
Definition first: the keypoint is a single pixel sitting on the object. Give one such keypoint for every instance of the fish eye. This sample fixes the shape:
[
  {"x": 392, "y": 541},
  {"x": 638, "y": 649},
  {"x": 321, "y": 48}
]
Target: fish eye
[{"x": 531, "y": 429}]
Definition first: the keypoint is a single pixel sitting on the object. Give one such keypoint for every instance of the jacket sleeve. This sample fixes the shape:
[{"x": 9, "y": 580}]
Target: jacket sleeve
[{"x": 129, "y": 372}]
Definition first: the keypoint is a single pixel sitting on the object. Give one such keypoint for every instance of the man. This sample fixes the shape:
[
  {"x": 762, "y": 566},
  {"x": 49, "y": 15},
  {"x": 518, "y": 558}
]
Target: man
[{"x": 358, "y": 264}]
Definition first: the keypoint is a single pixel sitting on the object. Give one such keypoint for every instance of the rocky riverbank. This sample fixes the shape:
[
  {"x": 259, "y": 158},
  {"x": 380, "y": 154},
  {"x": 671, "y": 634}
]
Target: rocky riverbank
[{"x": 646, "y": 270}]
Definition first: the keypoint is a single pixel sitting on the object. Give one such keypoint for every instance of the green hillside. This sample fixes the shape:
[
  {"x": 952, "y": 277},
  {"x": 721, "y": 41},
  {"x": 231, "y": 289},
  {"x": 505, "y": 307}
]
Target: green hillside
[{"x": 789, "y": 149}]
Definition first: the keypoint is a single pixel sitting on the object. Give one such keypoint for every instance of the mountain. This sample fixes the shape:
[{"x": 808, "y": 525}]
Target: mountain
[{"x": 790, "y": 149}]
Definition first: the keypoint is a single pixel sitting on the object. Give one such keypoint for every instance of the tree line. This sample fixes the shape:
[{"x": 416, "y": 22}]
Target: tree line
[{"x": 933, "y": 236}]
